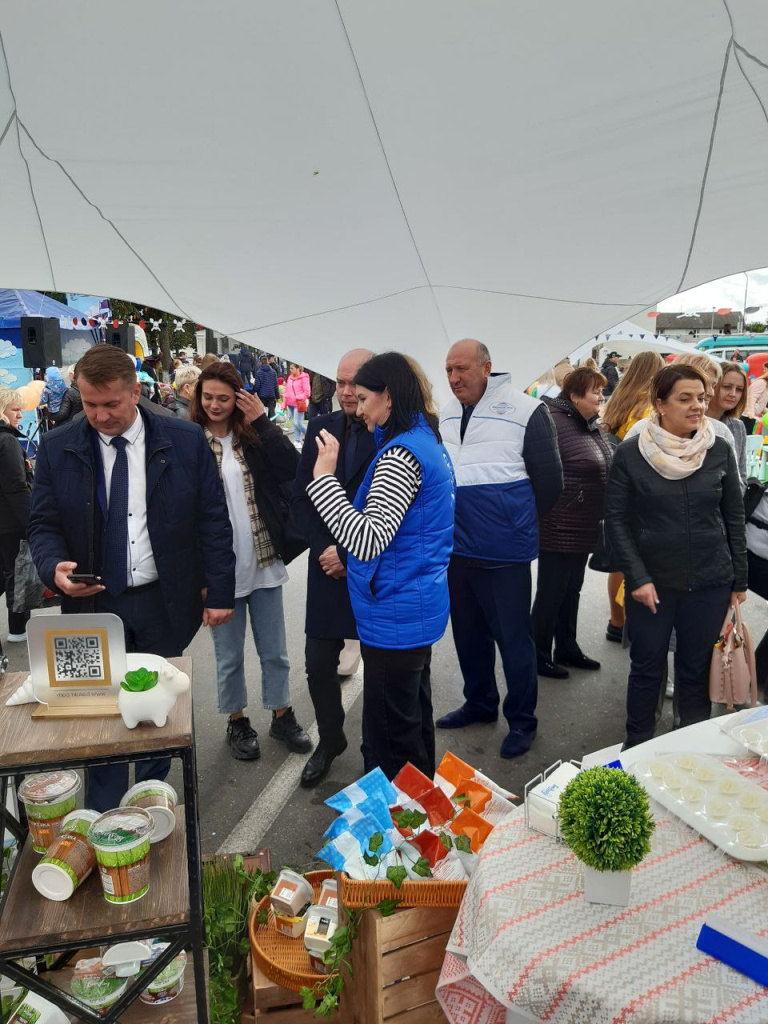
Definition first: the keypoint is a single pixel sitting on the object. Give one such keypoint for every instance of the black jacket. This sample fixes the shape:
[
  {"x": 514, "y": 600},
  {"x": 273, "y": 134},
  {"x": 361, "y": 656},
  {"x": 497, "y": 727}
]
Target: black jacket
[
  {"x": 572, "y": 524},
  {"x": 681, "y": 534},
  {"x": 273, "y": 462},
  {"x": 71, "y": 405},
  {"x": 329, "y": 613},
  {"x": 15, "y": 482},
  {"x": 611, "y": 374}
]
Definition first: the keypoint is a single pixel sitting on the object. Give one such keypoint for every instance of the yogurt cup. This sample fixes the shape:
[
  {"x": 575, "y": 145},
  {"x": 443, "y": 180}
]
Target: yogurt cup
[
  {"x": 69, "y": 859},
  {"x": 291, "y": 895},
  {"x": 33, "y": 1009},
  {"x": 322, "y": 922},
  {"x": 48, "y": 798},
  {"x": 169, "y": 982},
  {"x": 329, "y": 894},
  {"x": 160, "y": 799},
  {"x": 11, "y": 995},
  {"x": 121, "y": 841},
  {"x": 93, "y": 987},
  {"x": 293, "y": 927}
]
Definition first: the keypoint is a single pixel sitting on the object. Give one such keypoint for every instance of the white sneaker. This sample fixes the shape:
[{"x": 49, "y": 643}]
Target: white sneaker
[{"x": 16, "y": 638}]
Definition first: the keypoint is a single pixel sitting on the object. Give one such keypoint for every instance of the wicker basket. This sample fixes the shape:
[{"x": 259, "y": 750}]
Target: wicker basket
[
  {"x": 429, "y": 893},
  {"x": 282, "y": 959}
]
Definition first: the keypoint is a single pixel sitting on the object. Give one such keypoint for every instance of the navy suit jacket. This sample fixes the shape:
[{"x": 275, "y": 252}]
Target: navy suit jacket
[
  {"x": 187, "y": 516},
  {"x": 329, "y": 612}
]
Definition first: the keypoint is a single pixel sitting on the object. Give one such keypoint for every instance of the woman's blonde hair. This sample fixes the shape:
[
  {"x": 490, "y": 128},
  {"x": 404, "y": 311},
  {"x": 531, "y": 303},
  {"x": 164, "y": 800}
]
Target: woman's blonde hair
[
  {"x": 706, "y": 364},
  {"x": 631, "y": 399},
  {"x": 425, "y": 385},
  {"x": 590, "y": 363},
  {"x": 741, "y": 405},
  {"x": 7, "y": 399}
]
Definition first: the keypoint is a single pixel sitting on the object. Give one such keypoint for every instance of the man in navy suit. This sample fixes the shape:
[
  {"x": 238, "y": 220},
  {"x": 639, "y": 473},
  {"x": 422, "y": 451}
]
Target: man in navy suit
[{"x": 329, "y": 620}]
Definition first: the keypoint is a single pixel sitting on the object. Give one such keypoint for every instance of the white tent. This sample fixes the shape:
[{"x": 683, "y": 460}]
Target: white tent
[
  {"x": 309, "y": 175},
  {"x": 628, "y": 339}
]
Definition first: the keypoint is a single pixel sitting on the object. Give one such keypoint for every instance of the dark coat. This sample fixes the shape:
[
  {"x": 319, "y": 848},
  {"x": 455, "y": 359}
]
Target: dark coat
[
  {"x": 273, "y": 462},
  {"x": 682, "y": 534},
  {"x": 265, "y": 382},
  {"x": 329, "y": 612},
  {"x": 15, "y": 482},
  {"x": 611, "y": 373},
  {"x": 187, "y": 516},
  {"x": 71, "y": 405},
  {"x": 245, "y": 362},
  {"x": 572, "y": 524}
]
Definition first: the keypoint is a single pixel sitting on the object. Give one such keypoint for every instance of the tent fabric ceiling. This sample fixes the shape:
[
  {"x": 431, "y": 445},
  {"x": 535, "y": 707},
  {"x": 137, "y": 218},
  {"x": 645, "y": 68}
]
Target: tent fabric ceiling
[{"x": 312, "y": 175}]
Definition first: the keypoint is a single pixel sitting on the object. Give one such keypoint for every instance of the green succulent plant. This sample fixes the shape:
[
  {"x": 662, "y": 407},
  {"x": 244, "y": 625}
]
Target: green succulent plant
[
  {"x": 139, "y": 680},
  {"x": 606, "y": 820}
]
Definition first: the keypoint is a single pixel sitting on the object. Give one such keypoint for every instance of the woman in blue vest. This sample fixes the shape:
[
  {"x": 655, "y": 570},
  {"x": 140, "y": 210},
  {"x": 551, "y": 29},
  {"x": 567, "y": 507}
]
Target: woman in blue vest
[{"x": 399, "y": 537}]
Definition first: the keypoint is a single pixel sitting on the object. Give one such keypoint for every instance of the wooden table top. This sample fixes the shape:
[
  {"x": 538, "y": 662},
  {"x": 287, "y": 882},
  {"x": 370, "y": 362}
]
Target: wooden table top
[
  {"x": 26, "y": 741},
  {"x": 31, "y": 920}
]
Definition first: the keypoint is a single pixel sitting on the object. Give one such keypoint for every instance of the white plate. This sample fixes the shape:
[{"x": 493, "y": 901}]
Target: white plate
[{"x": 711, "y": 798}]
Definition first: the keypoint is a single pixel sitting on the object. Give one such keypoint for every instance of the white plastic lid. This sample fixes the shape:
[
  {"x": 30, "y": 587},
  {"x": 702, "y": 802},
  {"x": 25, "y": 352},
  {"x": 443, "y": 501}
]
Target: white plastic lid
[
  {"x": 164, "y": 818},
  {"x": 52, "y": 881},
  {"x": 126, "y": 958},
  {"x": 121, "y": 829},
  {"x": 49, "y": 787}
]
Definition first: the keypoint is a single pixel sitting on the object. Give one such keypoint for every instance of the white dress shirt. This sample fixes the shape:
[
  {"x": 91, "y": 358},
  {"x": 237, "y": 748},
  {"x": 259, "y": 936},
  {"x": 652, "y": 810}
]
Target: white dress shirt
[{"x": 139, "y": 556}]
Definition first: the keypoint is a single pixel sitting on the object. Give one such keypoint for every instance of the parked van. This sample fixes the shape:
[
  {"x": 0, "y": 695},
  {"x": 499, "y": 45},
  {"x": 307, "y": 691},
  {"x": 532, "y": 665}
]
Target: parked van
[{"x": 724, "y": 346}]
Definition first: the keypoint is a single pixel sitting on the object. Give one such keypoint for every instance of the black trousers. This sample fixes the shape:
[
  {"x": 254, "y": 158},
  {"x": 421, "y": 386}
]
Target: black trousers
[
  {"x": 321, "y": 657},
  {"x": 696, "y": 617},
  {"x": 397, "y": 709},
  {"x": 758, "y": 584},
  {"x": 9, "y": 549},
  {"x": 490, "y": 607},
  {"x": 556, "y": 608},
  {"x": 147, "y": 629}
]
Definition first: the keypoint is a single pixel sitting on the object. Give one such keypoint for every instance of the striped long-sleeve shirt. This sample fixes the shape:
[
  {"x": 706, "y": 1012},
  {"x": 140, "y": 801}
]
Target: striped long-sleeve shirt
[{"x": 395, "y": 484}]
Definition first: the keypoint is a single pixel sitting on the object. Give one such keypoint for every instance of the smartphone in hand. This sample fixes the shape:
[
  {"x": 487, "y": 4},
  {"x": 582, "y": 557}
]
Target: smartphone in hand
[{"x": 84, "y": 577}]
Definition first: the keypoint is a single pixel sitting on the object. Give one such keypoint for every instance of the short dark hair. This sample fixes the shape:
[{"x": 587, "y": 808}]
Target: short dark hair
[
  {"x": 664, "y": 381},
  {"x": 581, "y": 380},
  {"x": 226, "y": 374},
  {"x": 263, "y": 359},
  {"x": 392, "y": 372},
  {"x": 102, "y": 364}
]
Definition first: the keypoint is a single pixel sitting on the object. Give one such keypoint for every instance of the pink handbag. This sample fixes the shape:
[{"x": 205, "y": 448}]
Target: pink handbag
[{"x": 732, "y": 673}]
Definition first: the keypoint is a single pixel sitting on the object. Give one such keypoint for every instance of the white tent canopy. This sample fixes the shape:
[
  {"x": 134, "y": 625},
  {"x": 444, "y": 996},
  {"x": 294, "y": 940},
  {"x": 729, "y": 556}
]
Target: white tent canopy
[
  {"x": 310, "y": 176},
  {"x": 628, "y": 339}
]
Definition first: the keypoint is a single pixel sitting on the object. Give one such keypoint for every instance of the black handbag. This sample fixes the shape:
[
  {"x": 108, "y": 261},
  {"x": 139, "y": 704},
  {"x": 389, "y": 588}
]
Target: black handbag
[{"x": 753, "y": 495}]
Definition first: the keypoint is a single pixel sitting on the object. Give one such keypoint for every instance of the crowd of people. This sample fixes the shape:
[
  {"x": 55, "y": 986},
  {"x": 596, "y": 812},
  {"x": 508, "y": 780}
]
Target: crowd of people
[{"x": 188, "y": 516}]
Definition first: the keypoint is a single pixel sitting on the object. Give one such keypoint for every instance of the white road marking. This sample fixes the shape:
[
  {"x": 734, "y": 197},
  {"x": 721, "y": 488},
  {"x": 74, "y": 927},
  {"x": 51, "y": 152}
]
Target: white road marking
[{"x": 262, "y": 814}]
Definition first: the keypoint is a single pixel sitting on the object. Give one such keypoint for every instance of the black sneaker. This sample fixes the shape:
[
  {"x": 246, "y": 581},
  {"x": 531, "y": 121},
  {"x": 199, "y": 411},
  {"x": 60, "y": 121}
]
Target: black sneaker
[
  {"x": 285, "y": 728},
  {"x": 243, "y": 740},
  {"x": 614, "y": 633}
]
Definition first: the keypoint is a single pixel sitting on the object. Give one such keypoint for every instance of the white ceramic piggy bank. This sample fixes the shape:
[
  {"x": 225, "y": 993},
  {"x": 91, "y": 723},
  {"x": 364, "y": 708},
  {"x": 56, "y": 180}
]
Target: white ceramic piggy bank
[{"x": 152, "y": 705}]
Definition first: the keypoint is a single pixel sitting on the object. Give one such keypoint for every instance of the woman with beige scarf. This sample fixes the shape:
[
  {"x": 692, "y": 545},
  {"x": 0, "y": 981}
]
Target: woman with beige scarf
[{"x": 675, "y": 522}]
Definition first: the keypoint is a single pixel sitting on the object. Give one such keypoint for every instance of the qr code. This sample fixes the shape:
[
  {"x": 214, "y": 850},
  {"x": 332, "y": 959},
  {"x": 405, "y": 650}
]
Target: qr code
[{"x": 77, "y": 657}]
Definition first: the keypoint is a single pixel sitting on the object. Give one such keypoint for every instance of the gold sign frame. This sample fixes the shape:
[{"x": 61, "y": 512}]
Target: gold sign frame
[{"x": 54, "y": 633}]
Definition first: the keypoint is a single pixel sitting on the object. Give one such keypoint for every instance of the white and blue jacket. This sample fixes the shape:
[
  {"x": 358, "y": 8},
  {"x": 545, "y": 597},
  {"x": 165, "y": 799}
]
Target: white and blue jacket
[{"x": 508, "y": 473}]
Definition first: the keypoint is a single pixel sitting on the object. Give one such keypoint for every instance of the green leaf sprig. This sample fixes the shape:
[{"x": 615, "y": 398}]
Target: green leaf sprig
[{"x": 140, "y": 680}]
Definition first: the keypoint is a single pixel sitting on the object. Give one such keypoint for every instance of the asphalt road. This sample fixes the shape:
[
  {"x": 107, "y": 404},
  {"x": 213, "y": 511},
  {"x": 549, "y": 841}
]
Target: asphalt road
[{"x": 247, "y": 805}]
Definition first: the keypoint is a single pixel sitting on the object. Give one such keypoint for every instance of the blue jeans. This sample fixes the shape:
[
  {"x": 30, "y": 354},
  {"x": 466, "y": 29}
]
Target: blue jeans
[
  {"x": 268, "y": 625},
  {"x": 299, "y": 424}
]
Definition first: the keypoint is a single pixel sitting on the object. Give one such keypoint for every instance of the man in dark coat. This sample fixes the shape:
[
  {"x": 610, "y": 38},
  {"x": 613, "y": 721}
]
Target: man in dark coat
[
  {"x": 133, "y": 497},
  {"x": 265, "y": 385},
  {"x": 329, "y": 619},
  {"x": 246, "y": 364},
  {"x": 610, "y": 370}
]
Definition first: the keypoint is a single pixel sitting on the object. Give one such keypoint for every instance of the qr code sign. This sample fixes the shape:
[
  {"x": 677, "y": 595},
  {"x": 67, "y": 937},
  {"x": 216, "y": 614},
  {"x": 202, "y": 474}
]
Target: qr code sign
[{"x": 77, "y": 658}]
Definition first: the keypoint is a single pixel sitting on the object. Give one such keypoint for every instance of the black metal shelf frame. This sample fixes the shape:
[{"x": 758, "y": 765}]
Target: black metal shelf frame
[{"x": 182, "y": 935}]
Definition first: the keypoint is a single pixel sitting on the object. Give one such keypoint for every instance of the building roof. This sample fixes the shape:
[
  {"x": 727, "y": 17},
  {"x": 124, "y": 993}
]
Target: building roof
[{"x": 676, "y": 322}]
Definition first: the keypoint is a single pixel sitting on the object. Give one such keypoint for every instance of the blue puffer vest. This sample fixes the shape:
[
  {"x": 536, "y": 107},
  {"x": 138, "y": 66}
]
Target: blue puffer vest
[{"x": 400, "y": 599}]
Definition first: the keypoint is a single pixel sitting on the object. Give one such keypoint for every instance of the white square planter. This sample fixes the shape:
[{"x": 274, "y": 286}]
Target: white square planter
[{"x": 611, "y": 887}]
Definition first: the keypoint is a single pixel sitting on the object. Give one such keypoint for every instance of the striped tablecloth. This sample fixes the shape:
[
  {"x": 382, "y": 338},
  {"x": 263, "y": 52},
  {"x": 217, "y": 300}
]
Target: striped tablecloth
[{"x": 525, "y": 937}]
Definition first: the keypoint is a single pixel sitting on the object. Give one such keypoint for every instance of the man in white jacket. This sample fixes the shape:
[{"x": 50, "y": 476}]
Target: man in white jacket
[{"x": 508, "y": 473}]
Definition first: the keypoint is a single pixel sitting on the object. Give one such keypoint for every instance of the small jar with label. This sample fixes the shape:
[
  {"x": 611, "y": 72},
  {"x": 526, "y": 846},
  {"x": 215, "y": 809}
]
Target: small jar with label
[
  {"x": 321, "y": 924},
  {"x": 48, "y": 797},
  {"x": 329, "y": 894},
  {"x": 69, "y": 860}
]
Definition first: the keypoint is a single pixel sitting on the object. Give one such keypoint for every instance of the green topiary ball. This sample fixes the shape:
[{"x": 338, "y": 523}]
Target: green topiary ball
[{"x": 606, "y": 820}]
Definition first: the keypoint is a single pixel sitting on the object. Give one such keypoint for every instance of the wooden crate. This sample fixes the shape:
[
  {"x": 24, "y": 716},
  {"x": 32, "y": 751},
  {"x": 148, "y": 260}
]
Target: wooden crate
[
  {"x": 397, "y": 962},
  {"x": 273, "y": 1004}
]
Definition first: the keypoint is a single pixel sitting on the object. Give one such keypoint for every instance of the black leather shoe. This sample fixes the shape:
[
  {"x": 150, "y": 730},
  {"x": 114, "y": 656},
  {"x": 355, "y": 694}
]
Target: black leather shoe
[
  {"x": 577, "y": 660},
  {"x": 243, "y": 740},
  {"x": 551, "y": 670},
  {"x": 318, "y": 766},
  {"x": 286, "y": 729},
  {"x": 614, "y": 633},
  {"x": 465, "y": 715}
]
